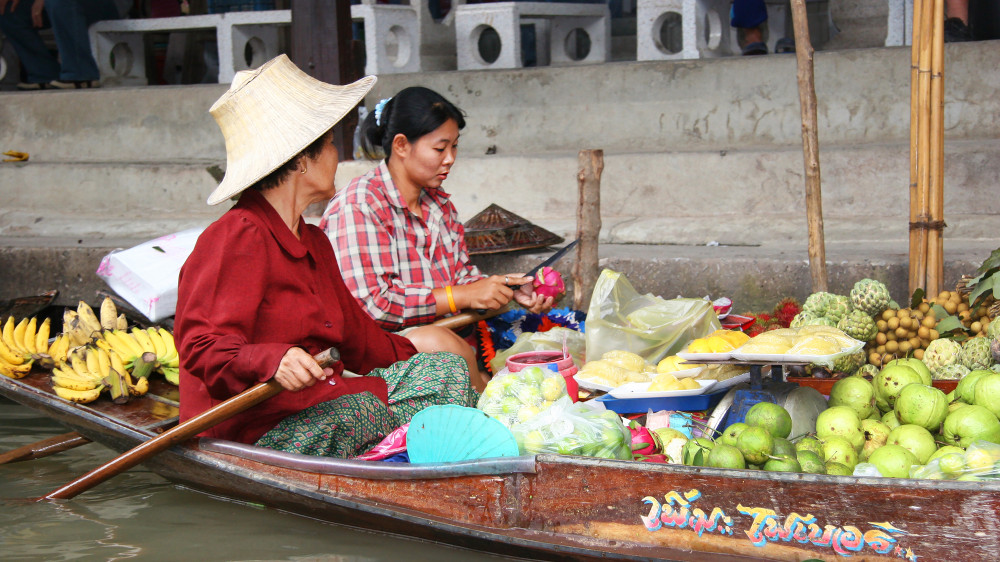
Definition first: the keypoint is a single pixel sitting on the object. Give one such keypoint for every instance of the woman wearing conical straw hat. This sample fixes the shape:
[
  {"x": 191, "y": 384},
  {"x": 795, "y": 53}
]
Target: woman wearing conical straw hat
[{"x": 262, "y": 292}]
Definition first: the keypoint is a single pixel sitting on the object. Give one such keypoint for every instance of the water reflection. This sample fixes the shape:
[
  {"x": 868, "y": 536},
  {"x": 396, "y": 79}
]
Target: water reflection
[{"x": 138, "y": 515}]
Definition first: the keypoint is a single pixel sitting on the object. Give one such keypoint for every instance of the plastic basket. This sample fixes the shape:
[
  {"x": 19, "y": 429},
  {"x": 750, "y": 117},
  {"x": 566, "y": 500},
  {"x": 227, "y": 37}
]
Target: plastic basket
[
  {"x": 223, "y": 6},
  {"x": 694, "y": 403}
]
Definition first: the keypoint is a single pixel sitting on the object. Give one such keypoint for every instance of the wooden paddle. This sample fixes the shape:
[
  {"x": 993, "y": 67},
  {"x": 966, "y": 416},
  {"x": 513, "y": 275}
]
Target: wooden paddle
[
  {"x": 181, "y": 432},
  {"x": 44, "y": 448},
  {"x": 463, "y": 319}
]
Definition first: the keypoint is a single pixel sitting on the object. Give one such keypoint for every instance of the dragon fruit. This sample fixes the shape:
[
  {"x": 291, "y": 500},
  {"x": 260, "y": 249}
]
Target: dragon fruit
[{"x": 549, "y": 283}]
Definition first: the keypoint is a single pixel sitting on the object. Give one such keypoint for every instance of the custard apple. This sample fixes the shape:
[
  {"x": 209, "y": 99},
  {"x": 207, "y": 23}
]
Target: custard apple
[
  {"x": 976, "y": 354},
  {"x": 801, "y": 318},
  {"x": 821, "y": 321},
  {"x": 871, "y": 296},
  {"x": 838, "y": 306},
  {"x": 850, "y": 363},
  {"x": 940, "y": 353},
  {"x": 952, "y": 372},
  {"x": 993, "y": 330},
  {"x": 867, "y": 370},
  {"x": 859, "y": 325},
  {"x": 817, "y": 303}
]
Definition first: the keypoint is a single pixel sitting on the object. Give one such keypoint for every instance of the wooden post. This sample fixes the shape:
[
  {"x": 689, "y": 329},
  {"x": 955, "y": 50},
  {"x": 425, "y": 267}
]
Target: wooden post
[
  {"x": 935, "y": 171},
  {"x": 588, "y": 226},
  {"x": 321, "y": 46},
  {"x": 810, "y": 146},
  {"x": 918, "y": 240}
]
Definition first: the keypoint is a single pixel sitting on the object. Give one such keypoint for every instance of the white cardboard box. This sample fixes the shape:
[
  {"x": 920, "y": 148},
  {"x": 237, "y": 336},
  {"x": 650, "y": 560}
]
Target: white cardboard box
[{"x": 146, "y": 275}]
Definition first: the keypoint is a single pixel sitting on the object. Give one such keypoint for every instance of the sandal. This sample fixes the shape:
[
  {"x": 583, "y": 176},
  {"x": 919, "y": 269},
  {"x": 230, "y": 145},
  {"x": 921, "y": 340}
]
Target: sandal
[
  {"x": 32, "y": 86},
  {"x": 757, "y": 48},
  {"x": 785, "y": 45},
  {"x": 74, "y": 84}
]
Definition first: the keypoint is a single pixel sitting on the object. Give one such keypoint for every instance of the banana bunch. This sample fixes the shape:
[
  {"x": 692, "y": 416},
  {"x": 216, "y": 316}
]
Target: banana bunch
[
  {"x": 83, "y": 326},
  {"x": 153, "y": 345},
  {"x": 90, "y": 370},
  {"x": 21, "y": 344}
]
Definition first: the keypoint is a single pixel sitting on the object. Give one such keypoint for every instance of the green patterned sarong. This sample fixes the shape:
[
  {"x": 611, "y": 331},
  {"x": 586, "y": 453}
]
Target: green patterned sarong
[{"x": 351, "y": 425}]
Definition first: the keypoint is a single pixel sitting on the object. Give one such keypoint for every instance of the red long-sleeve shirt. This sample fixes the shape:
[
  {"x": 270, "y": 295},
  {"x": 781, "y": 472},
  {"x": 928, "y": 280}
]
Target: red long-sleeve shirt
[{"x": 251, "y": 290}]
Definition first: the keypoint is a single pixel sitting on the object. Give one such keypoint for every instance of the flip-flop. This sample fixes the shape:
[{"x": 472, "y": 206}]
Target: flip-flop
[
  {"x": 756, "y": 48},
  {"x": 785, "y": 45}
]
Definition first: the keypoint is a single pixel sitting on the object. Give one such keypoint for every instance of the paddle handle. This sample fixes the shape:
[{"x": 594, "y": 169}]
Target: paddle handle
[
  {"x": 44, "y": 448},
  {"x": 181, "y": 432}
]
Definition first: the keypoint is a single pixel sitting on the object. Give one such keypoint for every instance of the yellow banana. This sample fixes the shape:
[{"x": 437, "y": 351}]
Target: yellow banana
[
  {"x": 15, "y": 371},
  {"x": 30, "y": 332},
  {"x": 140, "y": 387},
  {"x": 118, "y": 365},
  {"x": 159, "y": 346},
  {"x": 130, "y": 343},
  {"x": 93, "y": 364},
  {"x": 67, "y": 372},
  {"x": 79, "y": 366},
  {"x": 122, "y": 322},
  {"x": 90, "y": 323},
  {"x": 42, "y": 337},
  {"x": 109, "y": 314},
  {"x": 172, "y": 358},
  {"x": 9, "y": 355},
  {"x": 172, "y": 374},
  {"x": 103, "y": 361},
  {"x": 78, "y": 396},
  {"x": 73, "y": 383},
  {"x": 19, "y": 331},
  {"x": 142, "y": 336},
  {"x": 8, "y": 333},
  {"x": 58, "y": 349}
]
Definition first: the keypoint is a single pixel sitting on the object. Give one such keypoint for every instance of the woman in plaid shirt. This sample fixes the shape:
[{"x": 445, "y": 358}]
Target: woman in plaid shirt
[{"x": 396, "y": 233}]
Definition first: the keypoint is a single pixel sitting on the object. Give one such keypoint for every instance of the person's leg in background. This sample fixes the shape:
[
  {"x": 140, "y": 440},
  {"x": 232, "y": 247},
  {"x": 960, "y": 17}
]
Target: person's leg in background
[
  {"x": 40, "y": 65},
  {"x": 70, "y": 20},
  {"x": 749, "y": 16},
  {"x": 956, "y": 26}
]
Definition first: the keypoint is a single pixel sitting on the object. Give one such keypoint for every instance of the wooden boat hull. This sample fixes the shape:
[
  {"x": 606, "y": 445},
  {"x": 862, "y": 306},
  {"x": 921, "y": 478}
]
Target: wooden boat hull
[{"x": 572, "y": 508}]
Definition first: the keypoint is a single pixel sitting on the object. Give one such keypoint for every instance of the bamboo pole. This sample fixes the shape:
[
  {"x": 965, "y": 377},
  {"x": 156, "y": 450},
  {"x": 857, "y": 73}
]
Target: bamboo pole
[
  {"x": 588, "y": 226},
  {"x": 935, "y": 240},
  {"x": 923, "y": 134},
  {"x": 810, "y": 145},
  {"x": 918, "y": 243}
]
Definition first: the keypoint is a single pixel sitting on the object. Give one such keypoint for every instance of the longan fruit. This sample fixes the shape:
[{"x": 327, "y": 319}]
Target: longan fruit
[
  {"x": 918, "y": 353},
  {"x": 892, "y": 323},
  {"x": 880, "y": 338},
  {"x": 924, "y": 307},
  {"x": 944, "y": 295},
  {"x": 891, "y": 347},
  {"x": 891, "y": 336},
  {"x": 976, "y": 327},
  {"x": 934, "y": 335},
  {"x": 882, "y": 325},
  {"x": 950, "y": 307},
  {"x": 924, "y": 342},
  {"x": 905, "y": 323},
  {"x": 929, "y": 322},
  {"x": 900, "y": 333},
  {"x": 963, "y": 307},
  {"x": 875, "y": 358},
  {"x": 903, "y": 313},
  {"x": 964, "y": 315},
  {"x": 914, "y": 342},
  {"x": 905, "y": 347},
  {"x": 923, "y": 332},
  {"x": 888, "y": 313}
]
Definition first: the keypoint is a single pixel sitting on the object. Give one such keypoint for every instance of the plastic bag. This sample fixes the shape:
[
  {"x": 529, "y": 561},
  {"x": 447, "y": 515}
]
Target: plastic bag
[
  {"x": 551, "y": 340},
  {"x": 650, "y": 326},
  {"x": 575, "y": 428},
  {"x": 981, "y": 461},
  {"x": 517, "y": 397},
  {"x": 392, "y": 445}
]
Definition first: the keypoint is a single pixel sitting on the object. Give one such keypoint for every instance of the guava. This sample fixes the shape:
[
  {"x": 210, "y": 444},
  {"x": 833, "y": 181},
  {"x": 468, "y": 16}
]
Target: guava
[
  {"x": 952, "y": 465},
  {"x": 839, "y": 469},
  {"x": 810, "y": 444},
  {"x": 893, "y": 461},
  {"x": 889, "y": 382},
  {"x": 771, "y": 417},
  {"x": 756, "y": 444},
  {"x": 842, "y": 421},
  {"x": 856, "y": 393},
  {"x": 917, "y": 365},
  {"x": 839, "y": 450},
  {"x": 782, "y": 447},
  {"x": 890, "y": 419},
  {"x": 783, "y": 463},
  {"x": 966, "y": 389},
  {"x": 946, "y": 450},
  {"x": 725, "y": 456},
  {"x": 967, "y": 425},
  {"x": 876, "y": 434},
  {"x": 921, "y": 405},
  {"x": 955, "y": 405},
  {"x": 533, "y": 442},
  {"x": 987, "y": 393},
  {"x": 696, "y": 451},
  {"x": 914, "y": 439},
  {"x": 731, "y": 433},
  {"x": 810, "y": 462}
]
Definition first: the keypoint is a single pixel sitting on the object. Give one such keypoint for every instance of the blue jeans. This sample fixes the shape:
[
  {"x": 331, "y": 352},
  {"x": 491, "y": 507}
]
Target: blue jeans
[{"x": 69, "y": 20}]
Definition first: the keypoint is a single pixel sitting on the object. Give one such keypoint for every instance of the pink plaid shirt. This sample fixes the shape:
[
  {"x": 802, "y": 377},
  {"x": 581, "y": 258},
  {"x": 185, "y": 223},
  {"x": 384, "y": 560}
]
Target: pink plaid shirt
[{"x": 390, "y": 258}]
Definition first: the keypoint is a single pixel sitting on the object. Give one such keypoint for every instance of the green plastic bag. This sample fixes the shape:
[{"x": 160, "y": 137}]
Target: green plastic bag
[{"x": 649, "y": 326}]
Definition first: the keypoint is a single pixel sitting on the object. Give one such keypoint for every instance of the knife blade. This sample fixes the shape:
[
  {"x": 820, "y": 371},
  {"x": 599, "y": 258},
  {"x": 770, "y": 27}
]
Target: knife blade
[{"x": 552, "y": 259}]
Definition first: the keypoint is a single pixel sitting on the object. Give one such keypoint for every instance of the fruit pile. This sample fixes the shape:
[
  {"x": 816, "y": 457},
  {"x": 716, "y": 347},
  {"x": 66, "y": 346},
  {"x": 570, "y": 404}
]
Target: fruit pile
[
  {"x": 574, "y": 429},
  {"x": 91, "y": 355},
  {"x": 512, "y": 398},
  {"x": 615, "y": 368},
  {"x": 902, "y": 333}
]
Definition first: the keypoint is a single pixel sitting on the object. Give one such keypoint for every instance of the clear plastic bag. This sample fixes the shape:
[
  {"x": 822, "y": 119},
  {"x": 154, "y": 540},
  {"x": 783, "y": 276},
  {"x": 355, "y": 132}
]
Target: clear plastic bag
[
  {"x": 981, "y": 461},
  {"x": 650, "y": 326},
  {"x": 517, "y": 397},
  {"x": 551, "y": 340},
  {"x": 580, "y": 428}
]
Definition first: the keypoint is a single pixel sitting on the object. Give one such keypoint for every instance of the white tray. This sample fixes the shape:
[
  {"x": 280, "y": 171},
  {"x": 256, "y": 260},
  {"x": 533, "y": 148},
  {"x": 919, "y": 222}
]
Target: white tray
[
  {"x": 705, "y": 356},
  {"x": 584, "y": 383},
  {"x": 640, "y": 390},
  {"x": 731, "y": 382}
]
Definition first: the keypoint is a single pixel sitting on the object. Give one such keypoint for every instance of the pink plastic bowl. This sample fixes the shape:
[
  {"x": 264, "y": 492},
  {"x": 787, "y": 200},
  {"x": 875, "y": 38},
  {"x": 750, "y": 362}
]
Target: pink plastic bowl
[{"x": 563, "y": 363}]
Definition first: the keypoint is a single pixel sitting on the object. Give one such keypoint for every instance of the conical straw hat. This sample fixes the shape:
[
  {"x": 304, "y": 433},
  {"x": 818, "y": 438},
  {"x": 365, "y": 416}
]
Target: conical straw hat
[
  {"x": 496, "y": 229},
  {"x": 270, "y": 114}
]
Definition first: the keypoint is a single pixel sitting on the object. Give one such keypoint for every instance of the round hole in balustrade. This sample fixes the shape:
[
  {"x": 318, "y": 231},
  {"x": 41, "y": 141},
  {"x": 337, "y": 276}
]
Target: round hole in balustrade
[
  {"x": 668, "y": 33},
  {"x": 255, "y": 52},
  {"x": 713, "y": 29},
  {"x": 488, "y": 44},
  {"x": 398, "y": 46},
  {"x": 121, "y": 59},
  {"x": 577, "y": 44},
  {"x": 3, "y": 68}
]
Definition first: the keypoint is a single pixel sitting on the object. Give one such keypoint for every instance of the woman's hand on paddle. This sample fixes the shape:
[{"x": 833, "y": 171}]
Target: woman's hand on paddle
[
  {"x": 298, "y": 370},
  {"x": 526, "y": 296}
]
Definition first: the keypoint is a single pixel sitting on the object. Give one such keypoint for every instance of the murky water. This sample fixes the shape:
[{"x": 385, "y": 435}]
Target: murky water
[{"x": 142, "y": 516}]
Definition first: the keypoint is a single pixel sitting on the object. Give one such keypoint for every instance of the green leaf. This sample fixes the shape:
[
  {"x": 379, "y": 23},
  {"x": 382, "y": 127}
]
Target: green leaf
[
  {"x": 991, "y": 262},
  {"x": 949, "y": 324},
  {"x": 939, "y": 311},
  {"x": 917, "y": 298},
  {"x": 983, "y": 289},
  {"x": 893, "y": 304}
]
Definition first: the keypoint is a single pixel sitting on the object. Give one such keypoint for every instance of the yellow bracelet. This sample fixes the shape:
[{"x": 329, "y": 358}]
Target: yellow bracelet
[{"x": 451, "y": 299}]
